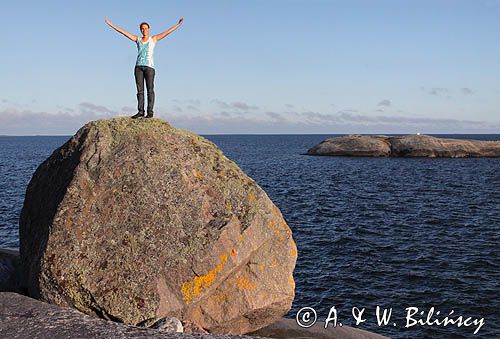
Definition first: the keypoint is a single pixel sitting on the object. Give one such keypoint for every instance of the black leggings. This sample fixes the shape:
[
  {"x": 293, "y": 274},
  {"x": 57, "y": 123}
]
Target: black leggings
[{"x": 145, "y": 73}]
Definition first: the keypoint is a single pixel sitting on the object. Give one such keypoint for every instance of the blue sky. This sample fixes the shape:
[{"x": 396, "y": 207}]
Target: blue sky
[{"x": 257, "y": 66}]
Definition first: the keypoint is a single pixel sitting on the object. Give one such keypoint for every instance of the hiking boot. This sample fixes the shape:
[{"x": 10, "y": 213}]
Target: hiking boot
[
  {"x": 149, "y": 115},
  {"x": 138, "y": 115}
]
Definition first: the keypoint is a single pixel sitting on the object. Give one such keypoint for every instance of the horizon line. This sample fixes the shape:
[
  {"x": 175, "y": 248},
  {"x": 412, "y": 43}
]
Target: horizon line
[{"x": 202, "y": 134}]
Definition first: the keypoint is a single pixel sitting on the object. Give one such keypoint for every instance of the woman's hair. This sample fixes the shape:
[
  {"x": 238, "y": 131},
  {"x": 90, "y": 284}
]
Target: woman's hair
[{"x": 143, "y": 23}]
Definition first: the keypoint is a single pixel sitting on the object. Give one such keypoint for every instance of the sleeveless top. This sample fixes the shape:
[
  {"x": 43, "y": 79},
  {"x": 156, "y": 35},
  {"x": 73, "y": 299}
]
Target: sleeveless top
[{"x": 145, "y": 52}]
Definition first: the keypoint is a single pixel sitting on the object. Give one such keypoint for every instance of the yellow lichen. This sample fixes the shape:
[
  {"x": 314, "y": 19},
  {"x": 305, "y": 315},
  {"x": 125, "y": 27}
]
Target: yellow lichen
[
  {"x": 233, "y": 252},
  {"x": 285, "y": 227},
  {"x": 244, "y": 284},
  {"x": 195, "y": 287},
  {"x": 291, "y": 281},
  {"x": 274, "y": 226},
  {"x": 220, "y": 297},
  {"x": 251, "y": 196},
  {"x": 197, "y": 174},
  {"x": 223, "y": 259}
]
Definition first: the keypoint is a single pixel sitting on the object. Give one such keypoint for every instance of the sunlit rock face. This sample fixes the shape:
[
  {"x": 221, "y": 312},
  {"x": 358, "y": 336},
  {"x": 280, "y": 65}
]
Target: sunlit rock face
[{"x": 134, "y": 220}]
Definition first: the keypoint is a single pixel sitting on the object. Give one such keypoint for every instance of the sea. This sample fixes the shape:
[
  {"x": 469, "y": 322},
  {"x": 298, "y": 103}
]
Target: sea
[{"x": 416, "y": 238}]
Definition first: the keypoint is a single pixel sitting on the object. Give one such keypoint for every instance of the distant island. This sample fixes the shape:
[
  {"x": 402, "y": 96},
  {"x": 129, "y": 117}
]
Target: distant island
[{"x": 414, "y": 145}]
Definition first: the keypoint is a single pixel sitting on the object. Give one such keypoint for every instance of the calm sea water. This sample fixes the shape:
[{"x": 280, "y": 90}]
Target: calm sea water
[{"x": 388, "y": 232}]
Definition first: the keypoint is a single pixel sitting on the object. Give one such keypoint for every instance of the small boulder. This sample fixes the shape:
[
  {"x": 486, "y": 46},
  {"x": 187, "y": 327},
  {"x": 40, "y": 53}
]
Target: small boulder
[
  {"x": 169, "y": 325},
  {"x": 134, "y": 220}
]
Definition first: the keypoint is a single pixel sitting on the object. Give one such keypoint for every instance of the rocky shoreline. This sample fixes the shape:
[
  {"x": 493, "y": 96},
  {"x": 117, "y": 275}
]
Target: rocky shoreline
[{"x": 414, "y": 145}]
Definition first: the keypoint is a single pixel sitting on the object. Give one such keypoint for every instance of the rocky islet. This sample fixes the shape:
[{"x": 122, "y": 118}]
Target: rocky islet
[{"x": 414, "y": 145}]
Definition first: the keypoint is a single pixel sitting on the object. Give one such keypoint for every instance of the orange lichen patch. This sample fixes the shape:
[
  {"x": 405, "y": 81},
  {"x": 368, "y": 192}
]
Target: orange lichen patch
[
  {"x": 241, "y": 237},
  {"x": 233, "y": 252},
  {"x": 291, "y": 281},
  {"x": 195, "y": 287},
  {"x": 285, "y": 226},
  {"x": 197, "y": 174},
  {"x": 273, "y": 224},
  {"x": 293, "y": 253},
  {"x": 220, "y": 297},
  {"x": 228, "y": 207},
  {"x": 251, "y": 196},
  {"x": 279, "y": 234},
  {"x": 262, "y": 266},
  {"x": 222, "y": 261},
  {"x": 244, "y": 284},
  {"x": 273, "y": 263}
]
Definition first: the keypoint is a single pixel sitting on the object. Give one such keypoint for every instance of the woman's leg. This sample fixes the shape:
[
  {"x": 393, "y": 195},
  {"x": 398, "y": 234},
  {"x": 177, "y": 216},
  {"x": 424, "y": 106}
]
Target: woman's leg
[
  {"x": 150, "y": 78},
  {"x": 139, "y": 82}
]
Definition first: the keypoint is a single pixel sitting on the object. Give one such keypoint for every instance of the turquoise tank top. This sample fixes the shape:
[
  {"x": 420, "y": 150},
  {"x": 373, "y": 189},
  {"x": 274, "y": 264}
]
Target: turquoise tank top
[{"x": 145, "y": 52}]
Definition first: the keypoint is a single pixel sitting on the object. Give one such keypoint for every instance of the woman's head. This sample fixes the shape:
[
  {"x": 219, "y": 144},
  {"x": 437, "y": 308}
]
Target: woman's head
[{"x": 144, "y": 27}]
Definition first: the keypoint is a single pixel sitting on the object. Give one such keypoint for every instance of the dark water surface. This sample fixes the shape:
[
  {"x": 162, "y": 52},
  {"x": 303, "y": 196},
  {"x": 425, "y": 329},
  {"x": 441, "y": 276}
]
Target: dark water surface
[{"x": 388, "y": 232}]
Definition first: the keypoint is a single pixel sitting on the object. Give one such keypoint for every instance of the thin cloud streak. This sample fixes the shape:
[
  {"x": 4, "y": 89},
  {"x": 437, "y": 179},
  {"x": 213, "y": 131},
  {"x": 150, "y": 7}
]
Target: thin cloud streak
[{"x": 235, "y": 105}]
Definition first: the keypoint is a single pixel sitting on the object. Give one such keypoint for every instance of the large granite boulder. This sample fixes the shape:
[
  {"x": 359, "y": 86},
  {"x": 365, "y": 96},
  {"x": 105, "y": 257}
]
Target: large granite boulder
[
  {"x": 133, "y": 220},
  {"x": 414, "y": 145}
]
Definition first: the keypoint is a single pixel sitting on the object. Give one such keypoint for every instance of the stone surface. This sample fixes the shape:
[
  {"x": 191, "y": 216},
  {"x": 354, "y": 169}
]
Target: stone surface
[
  {"x": 354, "y": 145},
  {"x": 168, "y": 325},
  {"x": 22, "y": 317},
  {"x": 405, "y": 146},
  {"x": 9, "y": 270},
  {"x": 288, "y": 328},
  {"x": 133, "y": 221}
]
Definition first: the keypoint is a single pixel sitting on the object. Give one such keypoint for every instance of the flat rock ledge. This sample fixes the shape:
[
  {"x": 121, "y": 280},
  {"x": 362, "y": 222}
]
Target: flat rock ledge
[
  {"x": 414, "y": 145},
  {"x": 288, "y": 328},
  {"x": 24, "y": 317}
]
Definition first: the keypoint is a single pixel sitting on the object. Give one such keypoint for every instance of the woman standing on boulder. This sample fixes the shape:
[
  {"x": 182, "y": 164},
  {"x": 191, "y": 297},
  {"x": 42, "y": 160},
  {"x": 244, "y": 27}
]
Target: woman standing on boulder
[{"x": 144, "y": 66}]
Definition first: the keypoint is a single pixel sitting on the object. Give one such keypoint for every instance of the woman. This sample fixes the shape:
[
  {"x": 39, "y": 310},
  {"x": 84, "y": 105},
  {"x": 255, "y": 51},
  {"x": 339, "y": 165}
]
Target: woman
[{"x": 144, "y": 66}]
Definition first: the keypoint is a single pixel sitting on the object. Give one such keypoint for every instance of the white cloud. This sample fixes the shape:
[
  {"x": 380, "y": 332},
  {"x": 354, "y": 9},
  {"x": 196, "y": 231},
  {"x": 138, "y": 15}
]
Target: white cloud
[{"x": 385, "y": 102}]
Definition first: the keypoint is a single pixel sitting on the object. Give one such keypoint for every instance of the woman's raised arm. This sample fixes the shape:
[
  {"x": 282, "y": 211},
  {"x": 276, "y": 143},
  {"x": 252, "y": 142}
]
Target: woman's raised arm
[
  {"x": 118, "y": 29},
  {"x": 160, "y": 36}
]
